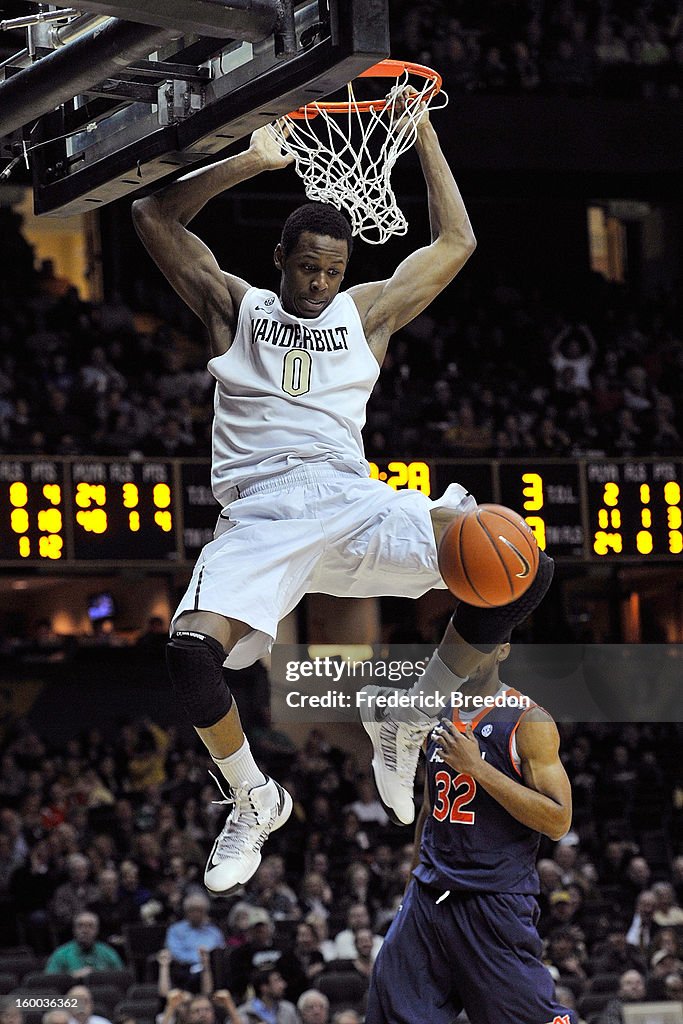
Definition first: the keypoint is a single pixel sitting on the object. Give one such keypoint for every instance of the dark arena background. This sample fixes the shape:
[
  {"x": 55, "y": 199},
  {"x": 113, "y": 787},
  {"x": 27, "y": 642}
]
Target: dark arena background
[{"x": 547, "y": 377}]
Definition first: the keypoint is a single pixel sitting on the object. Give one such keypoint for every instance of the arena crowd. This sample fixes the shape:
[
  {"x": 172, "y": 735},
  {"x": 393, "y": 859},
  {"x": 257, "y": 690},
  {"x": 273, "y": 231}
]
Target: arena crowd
[
  {"x": 103, "y": 841},
  {"x": 571, "y": 48},
  {"x": 507, "y": 371}
]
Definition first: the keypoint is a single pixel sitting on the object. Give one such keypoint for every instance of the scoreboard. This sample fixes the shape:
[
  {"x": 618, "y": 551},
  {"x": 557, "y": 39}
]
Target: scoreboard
[
  {"x": 596, "y": 510},
  {"x": 109, "y": 511}
]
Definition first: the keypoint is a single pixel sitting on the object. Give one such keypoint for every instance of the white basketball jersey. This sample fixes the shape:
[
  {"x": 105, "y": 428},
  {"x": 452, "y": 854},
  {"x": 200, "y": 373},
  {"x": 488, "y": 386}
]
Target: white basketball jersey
[{"x": 290, "y": 391}]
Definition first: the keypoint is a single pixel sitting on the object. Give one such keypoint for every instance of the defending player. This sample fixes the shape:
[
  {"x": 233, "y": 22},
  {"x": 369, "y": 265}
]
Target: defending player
[
  {"x": 465, "y": 936},
  {"x": 293, "y": 375}
]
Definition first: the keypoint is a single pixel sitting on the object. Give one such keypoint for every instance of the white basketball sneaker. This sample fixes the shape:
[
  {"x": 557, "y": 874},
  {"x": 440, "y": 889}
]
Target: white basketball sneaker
[
  {"x": 396, "y": 749},
  {"x": 236, "y": 853}
]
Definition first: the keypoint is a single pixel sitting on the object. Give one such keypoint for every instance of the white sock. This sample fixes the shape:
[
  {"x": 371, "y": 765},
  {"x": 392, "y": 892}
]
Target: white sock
[
  {"x": 432, "y": 691},
  {"x": 240, "y": 768}
]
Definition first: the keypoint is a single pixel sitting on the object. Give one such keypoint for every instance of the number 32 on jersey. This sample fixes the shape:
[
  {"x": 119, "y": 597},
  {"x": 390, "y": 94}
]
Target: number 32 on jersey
[{"x": 453, "y": 794}]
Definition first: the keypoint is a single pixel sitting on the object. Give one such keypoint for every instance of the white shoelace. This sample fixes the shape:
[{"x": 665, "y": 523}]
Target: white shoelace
[
  {"x": 404, "y": 761},
  {"x": 237, "y": 833}
]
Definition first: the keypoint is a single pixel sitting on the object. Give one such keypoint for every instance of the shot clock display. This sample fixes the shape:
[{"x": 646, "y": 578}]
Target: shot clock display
[{"x": 115, "y": 511}]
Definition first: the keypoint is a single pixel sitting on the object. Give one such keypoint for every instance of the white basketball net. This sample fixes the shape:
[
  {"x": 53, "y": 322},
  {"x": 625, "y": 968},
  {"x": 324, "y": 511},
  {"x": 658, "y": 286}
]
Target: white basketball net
[{"x": 346, "y": 159}]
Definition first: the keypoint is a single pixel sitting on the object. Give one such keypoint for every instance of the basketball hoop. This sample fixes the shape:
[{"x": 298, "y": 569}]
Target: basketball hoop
[{"x": 345, "y": 151}]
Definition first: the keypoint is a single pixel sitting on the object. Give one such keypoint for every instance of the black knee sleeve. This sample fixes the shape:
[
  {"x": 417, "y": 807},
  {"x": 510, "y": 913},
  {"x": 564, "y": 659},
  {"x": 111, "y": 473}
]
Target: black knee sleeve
[
  {"x": 486, "y": 628},
  {"x": 195, "y": 665}
]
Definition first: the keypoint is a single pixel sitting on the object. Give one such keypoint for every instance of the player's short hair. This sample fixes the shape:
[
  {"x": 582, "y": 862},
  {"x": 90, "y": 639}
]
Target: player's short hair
[{"x": 319, "y": 219}]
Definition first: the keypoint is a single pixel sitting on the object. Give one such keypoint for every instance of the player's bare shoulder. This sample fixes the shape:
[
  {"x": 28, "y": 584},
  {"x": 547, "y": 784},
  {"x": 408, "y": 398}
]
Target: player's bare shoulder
[
  {"x": 377, "y": 329},
  {"x": 537, "y": 734},
  {"x": 224, "y": 314}
]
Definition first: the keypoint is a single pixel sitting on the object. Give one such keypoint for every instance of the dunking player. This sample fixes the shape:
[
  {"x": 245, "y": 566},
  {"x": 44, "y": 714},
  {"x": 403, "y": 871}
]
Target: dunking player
[
  {"x": 293, "y": 375},
  {"x": 465, "y": 936}
]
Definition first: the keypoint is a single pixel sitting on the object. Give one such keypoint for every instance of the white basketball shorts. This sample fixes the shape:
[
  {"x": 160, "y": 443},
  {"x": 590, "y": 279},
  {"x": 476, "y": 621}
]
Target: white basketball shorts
[{"x": 314, "y": 530}]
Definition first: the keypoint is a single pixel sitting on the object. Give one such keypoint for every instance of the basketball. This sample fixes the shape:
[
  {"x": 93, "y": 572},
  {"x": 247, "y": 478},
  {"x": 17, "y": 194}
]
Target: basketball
[{"x": 488, "y": 557}]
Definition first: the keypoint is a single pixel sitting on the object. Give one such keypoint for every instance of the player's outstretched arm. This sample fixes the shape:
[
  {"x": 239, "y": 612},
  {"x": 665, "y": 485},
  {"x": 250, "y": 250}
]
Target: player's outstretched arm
[
  {"x": 544, "y": 803},
  {"x": 187, "y": 263},
  {"x": 386, "y": 306}
]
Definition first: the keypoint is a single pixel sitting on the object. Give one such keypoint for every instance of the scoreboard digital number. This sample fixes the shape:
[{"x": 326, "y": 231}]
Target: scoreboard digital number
[
  {"x": 110, "y": 511},
  {"x": 548, "y": 496},
  {"x": 31, "y": 511},
  {"x": 122, "y": 510},
  {"x": 592, "y": 510},
  {"x": 85, "y": 510},
  {"x": 634, "y": 509},
  {"x": 415, "y": 476}
]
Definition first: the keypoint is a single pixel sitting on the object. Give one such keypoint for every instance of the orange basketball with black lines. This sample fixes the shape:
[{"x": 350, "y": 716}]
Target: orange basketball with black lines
[{"x": 488, "y": 557}]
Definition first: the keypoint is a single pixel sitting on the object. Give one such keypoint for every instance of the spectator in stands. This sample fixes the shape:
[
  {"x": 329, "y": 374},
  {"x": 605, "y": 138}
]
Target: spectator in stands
[
  {"x": 567, "y": 954},
  {"x": 177, "y": 1000},
  {"x": 562, "y": 911},
  {"x": 113, "y": 908},
  {"x": 566, "y": 856},
  {"x": 316, "y": 895},
  {"x": 201, "y": 1010},
  {"x": 636, "y": 877},
  {"x": 131, "y": 888},
  {"x": 574, "y": 348},
  {"x": 618, "y": 955},
  {"x": 187, "y": 938},
  {"x": 82, "y": 1012},
  {"x": 308, "y": 953},
  {"x": 667, "y": 911},
  {"x": 655, "y": 52},
  {"x": 346, "y": 1017},
  {"x": 668, "y": 939},
  {"x": 663, "y": 963},
  {"x": 627, "y": 437},
  {"x": 56, "y": 1017},
  {"x": 10, "y": 1013},
  {"x": 263, "y": 950},
  {"x": 345, "y": 942},
  {"x": 458, "y": 67},
  {"x": 494, "y": 74},
  {"x": 268, "y": 1005},
  {"x": 271, "y": 891},
  {"x": 367, "y": 807},
  {"x": 222, "y": 999},
  {"x": 673, "y": 987},
  {"x": 147, "y": 764},
  {"x": 365, "y": 955},
  {"x": 467, "y": 436},
  {"x": 9, "y": 862},
  {"x": 631, "y": 990},
  {"x": 638, "y": 393},
  {"x": 98, "y": 376},
  {"x": 31, "y": 888},
  {"x": 313, "y": 1007},
  {"x": 610, "y": 49},
  {"x": 551, "y": 439},
  {"x": 84, "y": 953}
]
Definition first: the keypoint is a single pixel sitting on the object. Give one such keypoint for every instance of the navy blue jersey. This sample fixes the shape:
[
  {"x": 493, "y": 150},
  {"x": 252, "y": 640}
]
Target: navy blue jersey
[{"x": 469, "y": 841}]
